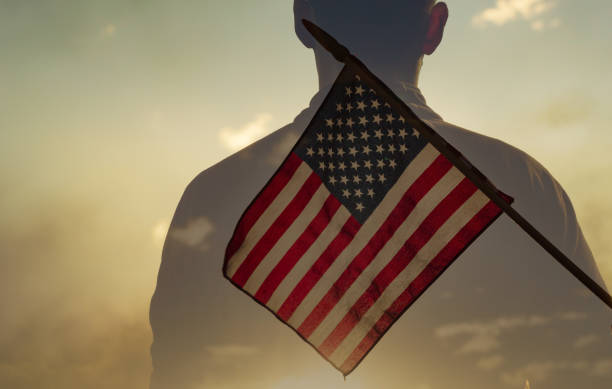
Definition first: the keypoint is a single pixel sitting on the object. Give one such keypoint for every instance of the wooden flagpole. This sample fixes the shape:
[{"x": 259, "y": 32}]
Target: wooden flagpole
[{"x": 342, "y": 54}]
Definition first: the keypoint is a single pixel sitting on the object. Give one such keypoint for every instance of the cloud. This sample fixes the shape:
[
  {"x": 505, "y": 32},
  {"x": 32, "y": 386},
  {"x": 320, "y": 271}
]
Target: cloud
[
  {"x": 541, "y": 371},
  {"x": 506, "y": 11},
  {"x": 194, "y": 234},
  {"x": 105, "y": 351},
  {"x": 232, "y": 351},
  {"x": 491, "y": 362},
  {"x": 484, "y": 336},
  {"x": 602, "y": 368},
  {"x": 108, "y": 31},
  {"x": 585, "y": 341},
  {"x": 236, "y": 139},
  {"x": 159, "y": 231},
  {"x": 571, "y": 108}
]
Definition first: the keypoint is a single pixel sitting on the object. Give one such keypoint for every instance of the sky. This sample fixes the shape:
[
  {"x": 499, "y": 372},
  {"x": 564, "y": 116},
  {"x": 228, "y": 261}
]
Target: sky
[{"x": 108, "y": 109}]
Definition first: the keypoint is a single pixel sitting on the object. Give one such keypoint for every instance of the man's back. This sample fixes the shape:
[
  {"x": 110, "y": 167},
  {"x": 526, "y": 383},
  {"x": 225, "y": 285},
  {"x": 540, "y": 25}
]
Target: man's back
[{"x": 503, "y": 313}]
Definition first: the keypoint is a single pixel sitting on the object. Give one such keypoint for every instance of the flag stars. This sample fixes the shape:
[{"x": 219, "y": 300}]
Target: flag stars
[
  {"x": 359, "y": 90},
  {"x": 329, "y": 122},
  {"x": 401, "y": 119},
  {"x": 382, "y": 178},
  {"x": 330, "y": 137},
  {"x": 375, "y": 104},
  {"x": 366, "y": 150},
  {"x": 392, "y": 164},
  {"x": 415, "y": 133},
  {"x": 350, "y": 137},
  {"x": 340, "y": 152},
  {"x": 369, "y": 179},
  {"x": 390, "y": 118},
  {"x": 359, "y": 207},
  {"x": 358, "y": 193},
  {"x": 355, "y": 165},
  {"x": 377, "y": 119},
  {"x": 392, "y": 148},
  {"x": 346, "y": 193},
  {"x": 353, "y": 151},
  {"x": 363, "y": 120},
  {"x": 339, "y": 138},
  {"x": 339, "y": 122},
  {"x": 344, "y": 180},
  {"x": 349, "y": 91},
  {"x": 332, "y": 180},
  {"x": 402, "y": 133},
  {"x": 331, "y": 167},
  {"x": 371, "y": 193},
  {"x": 367, "y": 164},
  {"x": 380, "y": 163},
  {"x": 356, "y": 179},
  {"x": 365, "y": 136},
  {"x": 321, "y": 152},
  {"x": 341, "y": 166},
  {"x": 319, "y": 137},
  {"x": 361, "y": 105},
  {"x": 349, "y": 107},
  {"x": 339, "y": 107},
  {"x": 349, "y": 123},
  {"x": 390, "y": 133},
  {"x": 330, "y": 152},
  {"x": 322, "y": 165},
  {"x": 378, "y": 134},
  {"x": 403, "y": 149},
  {"x": 309, "y": 151},
  {"x": 380, "y": 149}
]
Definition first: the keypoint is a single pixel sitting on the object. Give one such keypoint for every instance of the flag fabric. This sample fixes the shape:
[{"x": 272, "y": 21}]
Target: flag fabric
[{"x": 361, "y": 217}]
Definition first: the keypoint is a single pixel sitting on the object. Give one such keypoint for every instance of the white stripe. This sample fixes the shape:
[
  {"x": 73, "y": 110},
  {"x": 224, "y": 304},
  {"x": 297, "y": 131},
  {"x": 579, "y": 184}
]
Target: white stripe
[
  {"x": 268, "y": 217},
  {"x": 438, "y": 241},
  {"x": 287, "y": 240},
  {"x": 427, "y": 204},
  {"x": 308, "y": 259},
  {"x": 421, "y": 162}
]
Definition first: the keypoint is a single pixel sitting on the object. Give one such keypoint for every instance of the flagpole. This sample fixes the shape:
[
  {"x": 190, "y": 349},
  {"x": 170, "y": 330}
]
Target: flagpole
[{"x": 342, "y": 54}]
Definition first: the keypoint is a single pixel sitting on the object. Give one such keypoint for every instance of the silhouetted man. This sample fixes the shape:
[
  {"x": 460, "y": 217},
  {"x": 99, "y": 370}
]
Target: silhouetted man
[{"x": 503, "y": 313}]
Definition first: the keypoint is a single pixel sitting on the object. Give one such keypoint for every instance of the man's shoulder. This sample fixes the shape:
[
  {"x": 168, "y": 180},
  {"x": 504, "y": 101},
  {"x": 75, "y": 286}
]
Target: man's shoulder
[
  {"x": 538, "y": 196},
  {"x": 506, "y": 165}
]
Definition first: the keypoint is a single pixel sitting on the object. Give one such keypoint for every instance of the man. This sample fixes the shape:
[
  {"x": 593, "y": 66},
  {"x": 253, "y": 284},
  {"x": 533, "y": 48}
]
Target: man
[{"x": 502, "y": 314}]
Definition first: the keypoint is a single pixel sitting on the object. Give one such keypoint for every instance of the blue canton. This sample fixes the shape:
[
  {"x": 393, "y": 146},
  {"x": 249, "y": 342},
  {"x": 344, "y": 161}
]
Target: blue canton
[{"x": 357, "y": 145}]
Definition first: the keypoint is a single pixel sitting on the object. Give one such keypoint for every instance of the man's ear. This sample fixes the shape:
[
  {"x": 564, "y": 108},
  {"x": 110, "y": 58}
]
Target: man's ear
[
  {"x": 303, "y": 10},
  {"x": 435, "y": 30}
]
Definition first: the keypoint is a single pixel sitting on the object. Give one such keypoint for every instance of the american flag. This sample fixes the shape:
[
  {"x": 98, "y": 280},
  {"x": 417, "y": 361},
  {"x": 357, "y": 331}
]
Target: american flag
[{"x": 361, "y": 217}]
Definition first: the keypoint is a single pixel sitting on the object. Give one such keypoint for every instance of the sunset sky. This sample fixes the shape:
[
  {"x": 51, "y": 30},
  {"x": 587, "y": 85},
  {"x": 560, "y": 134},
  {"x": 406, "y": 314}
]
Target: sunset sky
[{"x": 109, "y": 109}]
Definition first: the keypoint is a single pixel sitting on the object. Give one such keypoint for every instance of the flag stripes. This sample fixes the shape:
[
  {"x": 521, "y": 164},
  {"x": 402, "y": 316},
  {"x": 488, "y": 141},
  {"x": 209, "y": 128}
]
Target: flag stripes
[
  {"x": 442, "y": 260},
  {"x": 300, "y": 252},
  {"x": 308, "y": 237}
]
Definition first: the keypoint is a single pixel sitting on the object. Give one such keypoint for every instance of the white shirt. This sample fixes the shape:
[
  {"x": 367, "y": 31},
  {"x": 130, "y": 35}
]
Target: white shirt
[{"x": 503, "y": 313}]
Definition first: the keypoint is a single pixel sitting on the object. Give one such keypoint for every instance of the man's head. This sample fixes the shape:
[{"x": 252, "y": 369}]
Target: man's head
[{"x": 385, "y": 34}]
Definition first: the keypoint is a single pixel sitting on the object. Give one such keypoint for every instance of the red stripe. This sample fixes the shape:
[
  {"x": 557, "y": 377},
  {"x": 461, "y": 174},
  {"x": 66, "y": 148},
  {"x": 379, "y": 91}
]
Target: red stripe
[
  {"x": 438, "y": 216},
  {"x": 413, "y": 195},
  {"x": 444, "y": 258},
  {"x": 297, "y": 250},
  {"x": 277, "y": 229},
  {"x": 261, "y": 203},
  {"x": 316, "y": 271}
]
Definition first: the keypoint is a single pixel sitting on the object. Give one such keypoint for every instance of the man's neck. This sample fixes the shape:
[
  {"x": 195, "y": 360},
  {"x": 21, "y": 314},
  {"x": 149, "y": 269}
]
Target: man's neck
[{"x": 328, "y": 69}]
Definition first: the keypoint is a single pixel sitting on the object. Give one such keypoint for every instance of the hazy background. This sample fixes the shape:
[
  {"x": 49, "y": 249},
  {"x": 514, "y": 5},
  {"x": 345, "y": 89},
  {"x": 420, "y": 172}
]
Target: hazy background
[{"x": 108, "y": 109}]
